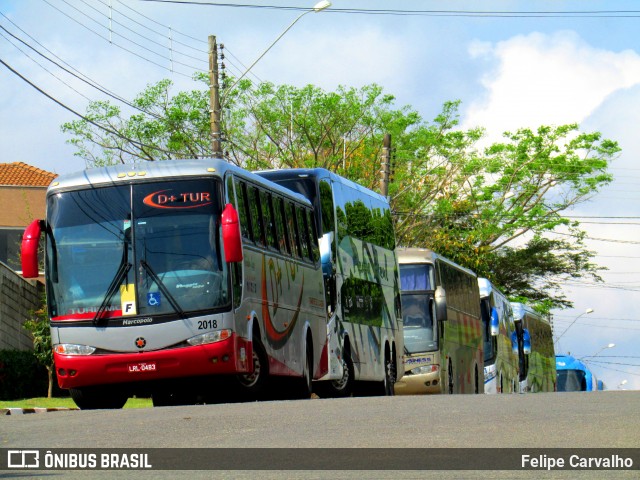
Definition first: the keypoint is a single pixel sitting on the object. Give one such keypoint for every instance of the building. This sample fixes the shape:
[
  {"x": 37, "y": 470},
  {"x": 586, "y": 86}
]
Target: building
[{"x": 23, "y": 190}]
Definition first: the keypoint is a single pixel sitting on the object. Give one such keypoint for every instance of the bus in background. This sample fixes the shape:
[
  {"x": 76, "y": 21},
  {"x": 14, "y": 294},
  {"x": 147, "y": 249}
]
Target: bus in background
[
  {"x": 362, "y": 286},
  {"x": 500, "y": 361},
  {"x": 533, "y": 340},
  {"x": 574, "y": 376},
  {"x": 163, "y": 276},
  {"x": 443, "y": 343}
]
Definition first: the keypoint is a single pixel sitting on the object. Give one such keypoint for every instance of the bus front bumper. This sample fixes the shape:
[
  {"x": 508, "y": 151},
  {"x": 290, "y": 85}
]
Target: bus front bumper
[
  {"x": 229, "y": 356},
  {"x": 419, "y": 384}
]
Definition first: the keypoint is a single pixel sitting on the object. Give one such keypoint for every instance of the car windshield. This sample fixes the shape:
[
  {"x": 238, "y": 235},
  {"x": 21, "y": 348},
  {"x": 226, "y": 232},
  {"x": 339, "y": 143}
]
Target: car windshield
[{"x": 143, "y": 249}]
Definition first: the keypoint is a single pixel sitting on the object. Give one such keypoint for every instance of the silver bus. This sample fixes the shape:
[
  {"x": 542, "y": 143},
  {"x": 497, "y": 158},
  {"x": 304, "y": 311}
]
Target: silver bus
[
  {"x": 164, "y": 277},
  {"x": 443, "y": 343},
  {"x": 362, "y": 288}
]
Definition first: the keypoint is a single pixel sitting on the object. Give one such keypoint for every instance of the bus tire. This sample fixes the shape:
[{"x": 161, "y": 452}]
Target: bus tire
[
  {"x": 342, "y": 387},
  {"x": 477, "y": 385},
  {"x": 92, "y": 398},
  {"x": 389, "y": 375},
  {"x": 253, "y": 385},
  {"x": 302, "y": 387},
  {"x": 450, "y": 377}
]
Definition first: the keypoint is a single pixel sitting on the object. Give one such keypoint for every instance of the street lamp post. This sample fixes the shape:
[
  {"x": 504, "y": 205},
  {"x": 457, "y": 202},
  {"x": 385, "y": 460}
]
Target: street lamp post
[
  {"x": 587, "y": 311},
  {"x": 318, "y": 7}
]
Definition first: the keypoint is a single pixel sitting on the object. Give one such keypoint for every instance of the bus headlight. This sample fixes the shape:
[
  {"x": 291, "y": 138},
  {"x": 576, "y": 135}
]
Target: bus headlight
[
  {"x": 210, "y": 337},
  {"x": 71, "y": 349},
  {"x": 424, "y": 369}
]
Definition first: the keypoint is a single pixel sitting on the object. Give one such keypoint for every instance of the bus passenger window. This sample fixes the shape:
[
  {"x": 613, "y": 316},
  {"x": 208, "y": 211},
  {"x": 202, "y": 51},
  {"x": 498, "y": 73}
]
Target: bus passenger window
[
  {"x": 313, "y": 237},
  {"x": 303, "y": 233},
  {"x": 265, "y": 203},
  {"x": 281, "y": 231},
  {"x": 256, "y": 215},
  {"x": 243, "y": 212},
  {"x": 293, "y": 230}
]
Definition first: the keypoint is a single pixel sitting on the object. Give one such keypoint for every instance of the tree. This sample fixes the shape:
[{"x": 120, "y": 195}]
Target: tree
[
  {"x": 38, "y": 326},
  {"x": 493, "y": 211},
  {"x": 497, "y": 210}
]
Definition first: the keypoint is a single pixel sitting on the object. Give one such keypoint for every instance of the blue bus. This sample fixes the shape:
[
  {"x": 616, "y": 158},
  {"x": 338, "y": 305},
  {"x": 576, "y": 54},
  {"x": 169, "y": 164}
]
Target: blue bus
[{"x": 574, "y": 376}]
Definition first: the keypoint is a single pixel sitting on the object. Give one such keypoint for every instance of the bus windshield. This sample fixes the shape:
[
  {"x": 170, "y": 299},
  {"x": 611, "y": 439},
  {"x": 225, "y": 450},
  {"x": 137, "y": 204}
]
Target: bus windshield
[
  {"x": 571, "y": 381},
  {"x": 144, "y": 249},
  {"x": 419, "y": 332}
]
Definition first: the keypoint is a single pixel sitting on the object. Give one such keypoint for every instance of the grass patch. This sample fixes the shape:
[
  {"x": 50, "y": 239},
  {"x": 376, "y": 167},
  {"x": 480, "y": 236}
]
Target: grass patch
[{"x": 65, "y": 402}]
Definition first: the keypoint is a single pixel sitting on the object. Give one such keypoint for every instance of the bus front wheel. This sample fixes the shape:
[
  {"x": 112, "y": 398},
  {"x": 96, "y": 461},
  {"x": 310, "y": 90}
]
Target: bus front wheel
[{"x": 253, "y": 384}]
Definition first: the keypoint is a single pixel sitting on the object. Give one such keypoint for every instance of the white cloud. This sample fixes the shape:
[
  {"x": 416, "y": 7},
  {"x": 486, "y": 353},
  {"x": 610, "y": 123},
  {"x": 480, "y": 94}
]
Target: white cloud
[{"x": 543, "y": 79}]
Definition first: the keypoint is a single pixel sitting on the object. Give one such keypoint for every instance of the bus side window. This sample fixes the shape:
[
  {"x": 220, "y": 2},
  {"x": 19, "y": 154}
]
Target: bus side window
[
  {"x": 231, "y": 194},
  {"x": 292, "y": 226},
  {"x": 256, "y": 215},
  {"x": 243, "y": 211},
  {"x": 281, "y": 231},
  {"x": 313, "y": 237},
  {"x": 303, "y": 233},
  {"x": 267, "y": 216}
]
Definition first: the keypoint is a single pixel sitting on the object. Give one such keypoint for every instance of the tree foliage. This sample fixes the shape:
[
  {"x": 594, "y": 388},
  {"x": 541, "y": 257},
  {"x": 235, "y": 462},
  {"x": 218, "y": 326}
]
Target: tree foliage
[
  {"x": 499, "y": 210},
  {"x": 38, "y": 326}
]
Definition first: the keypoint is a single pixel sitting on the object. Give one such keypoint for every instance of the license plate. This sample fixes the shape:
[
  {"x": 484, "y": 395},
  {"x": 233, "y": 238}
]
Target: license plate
[{"x": 142, "y": 367}]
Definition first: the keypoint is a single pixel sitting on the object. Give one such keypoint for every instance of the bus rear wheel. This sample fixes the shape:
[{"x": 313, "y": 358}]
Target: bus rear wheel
[
  {"x": 450, "y": 376},
  {"x": 93, "y": 398},
  {"x": 389, "y": 375},
  {"x": 302, "y": 386}
]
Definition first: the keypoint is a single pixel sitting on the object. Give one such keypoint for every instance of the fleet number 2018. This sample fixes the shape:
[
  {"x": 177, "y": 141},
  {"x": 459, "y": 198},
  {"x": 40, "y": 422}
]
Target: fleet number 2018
[{"x": 207, "y": 324}]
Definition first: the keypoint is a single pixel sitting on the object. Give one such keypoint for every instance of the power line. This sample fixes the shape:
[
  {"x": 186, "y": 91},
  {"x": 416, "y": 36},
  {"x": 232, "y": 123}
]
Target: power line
[
  {"x": 200, "y": 59},
  {"x": 113, "y": 132},
  {"x": 433, "y": 13},
  {"x": 160, "y": 24},
  {"x": 78, "y": 75},
  {"x": 117, "y": 44}
]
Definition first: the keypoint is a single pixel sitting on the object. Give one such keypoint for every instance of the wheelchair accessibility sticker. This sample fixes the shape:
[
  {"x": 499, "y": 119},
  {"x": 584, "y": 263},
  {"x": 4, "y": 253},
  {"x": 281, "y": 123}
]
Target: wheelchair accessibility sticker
[{"x": 153, "y": 299}]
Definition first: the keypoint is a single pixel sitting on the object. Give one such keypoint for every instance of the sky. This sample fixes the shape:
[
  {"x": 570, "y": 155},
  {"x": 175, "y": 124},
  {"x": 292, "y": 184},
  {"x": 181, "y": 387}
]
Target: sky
[{"x": 537, "y": 63}]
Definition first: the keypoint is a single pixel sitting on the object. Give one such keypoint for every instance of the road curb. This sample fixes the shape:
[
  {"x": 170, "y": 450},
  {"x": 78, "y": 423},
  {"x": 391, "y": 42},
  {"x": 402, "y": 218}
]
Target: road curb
[{"x": 22, "y": 411}]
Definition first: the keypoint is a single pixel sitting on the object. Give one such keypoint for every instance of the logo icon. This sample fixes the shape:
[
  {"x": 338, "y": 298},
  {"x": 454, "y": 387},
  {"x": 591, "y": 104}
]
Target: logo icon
[
  {"x": 141, "y": 342},
  {"x": 23, "y": 459}
]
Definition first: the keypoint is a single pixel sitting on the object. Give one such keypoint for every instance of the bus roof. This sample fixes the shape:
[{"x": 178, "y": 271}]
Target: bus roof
[
  {"x": 288, "y": 173},
  {"x": 424, "y": 255},
  {"x": 568, "y": 362},
  {"x": 161, "y": 170},
  {"x": 521, "y": 311}
]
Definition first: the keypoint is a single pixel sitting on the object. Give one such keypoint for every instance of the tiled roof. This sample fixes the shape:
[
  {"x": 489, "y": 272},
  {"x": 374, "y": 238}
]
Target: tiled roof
[{"x": 21, "y": 174}]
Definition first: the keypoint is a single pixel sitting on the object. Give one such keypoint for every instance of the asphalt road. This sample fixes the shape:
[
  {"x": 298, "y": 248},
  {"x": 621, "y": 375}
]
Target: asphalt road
[{"x": 607, "y": 419}]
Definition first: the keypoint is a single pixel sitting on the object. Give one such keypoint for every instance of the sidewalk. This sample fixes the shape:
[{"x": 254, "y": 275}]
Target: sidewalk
[{"x": 22, "y": 411}]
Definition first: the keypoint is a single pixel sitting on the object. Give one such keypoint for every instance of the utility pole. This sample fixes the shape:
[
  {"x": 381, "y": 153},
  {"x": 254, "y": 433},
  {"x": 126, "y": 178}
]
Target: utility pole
[
  {"x": 386, "y": 165},
  {"x": 214, "y": 98}
]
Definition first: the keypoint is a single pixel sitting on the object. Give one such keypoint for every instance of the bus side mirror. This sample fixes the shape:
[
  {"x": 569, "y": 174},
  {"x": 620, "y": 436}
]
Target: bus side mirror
[
  {"x": 526, "y": 340},
  {"x": 325, "y": 254},
  {"x": 441, "y": 304},
  {"x": 495, "y": 322},
  {"x": 29, "y": 249},
  {"x": 231, "y": 234}
]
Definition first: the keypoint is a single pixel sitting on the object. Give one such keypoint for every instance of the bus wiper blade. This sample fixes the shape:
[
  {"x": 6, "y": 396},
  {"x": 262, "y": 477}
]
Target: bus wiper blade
[
  {"x": 163, "y": 289},
  {"x": 111, "y": 291}
]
